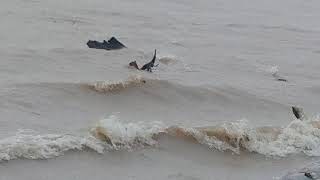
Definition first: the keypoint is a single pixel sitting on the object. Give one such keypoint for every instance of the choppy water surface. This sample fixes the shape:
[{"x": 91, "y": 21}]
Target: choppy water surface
[{"x": 218, "y": 64}]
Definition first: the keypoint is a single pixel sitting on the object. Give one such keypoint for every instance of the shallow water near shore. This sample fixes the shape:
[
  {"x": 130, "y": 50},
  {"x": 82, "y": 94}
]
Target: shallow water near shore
[{"x": 218, "y": 64}]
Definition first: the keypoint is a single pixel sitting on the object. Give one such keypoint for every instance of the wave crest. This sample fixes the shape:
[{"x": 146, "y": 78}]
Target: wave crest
[
  {"x": 30, "y": 145},
  {"x": 298, "y": 136},
  {"x": 113, "y": 134},
  {"x": 127, "y": 135},
  {"x": 108, "y": 86}
]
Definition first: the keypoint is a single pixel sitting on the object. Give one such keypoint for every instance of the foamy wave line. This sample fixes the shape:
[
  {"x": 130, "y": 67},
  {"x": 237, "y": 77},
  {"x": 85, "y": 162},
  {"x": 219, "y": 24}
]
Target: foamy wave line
[
  {"x": 127, "y": 135},
  {"x": 108, "y": 86},
  {"x": 30, "y": 145},
  {"x": 297, "y": 137},
  {"x": 113, "y": 134}
]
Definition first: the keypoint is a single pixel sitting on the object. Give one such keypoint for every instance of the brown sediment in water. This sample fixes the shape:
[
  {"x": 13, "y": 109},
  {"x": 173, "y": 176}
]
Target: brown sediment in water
[
  {"x": 105, "y": 86},
  {"x": 190, "y": 134},
  {"x": 201, "y": 134}
]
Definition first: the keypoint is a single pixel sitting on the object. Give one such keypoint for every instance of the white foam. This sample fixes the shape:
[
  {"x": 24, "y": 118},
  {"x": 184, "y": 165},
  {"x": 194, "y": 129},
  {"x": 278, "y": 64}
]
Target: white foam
[
  {"x": 273, "y": 69},
  {"x": 128, "y": 135},
  {"x": 270, "y": 69},
  {"x": 297, "y": 137},
  {"x": 31, "y": 145},
  {"x": 211, "y": 142},
  {"x": 108, "y": 86}
]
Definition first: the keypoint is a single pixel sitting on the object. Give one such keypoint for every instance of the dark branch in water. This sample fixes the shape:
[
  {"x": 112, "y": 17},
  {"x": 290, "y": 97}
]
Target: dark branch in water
[
  {"x": 309, "y": 175},
  {"x": 148, "y": 66},
  {"x": 298, "y": 112},
  {"x": 281, "y": 79},
  {"x": 278, "y": 78},
  {"x": 111, "y": 44},
  {"x": 134, "y": 64}
]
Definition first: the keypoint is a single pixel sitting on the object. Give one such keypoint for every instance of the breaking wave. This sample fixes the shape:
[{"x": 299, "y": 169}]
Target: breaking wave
[
  {"x": 127, "y": 135},
  {"x": 297, "y": 137},
  {"x": 106, "y": 86},
  {"x": 113, "y": 134},
  {"x": 32, "y": 145}
]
